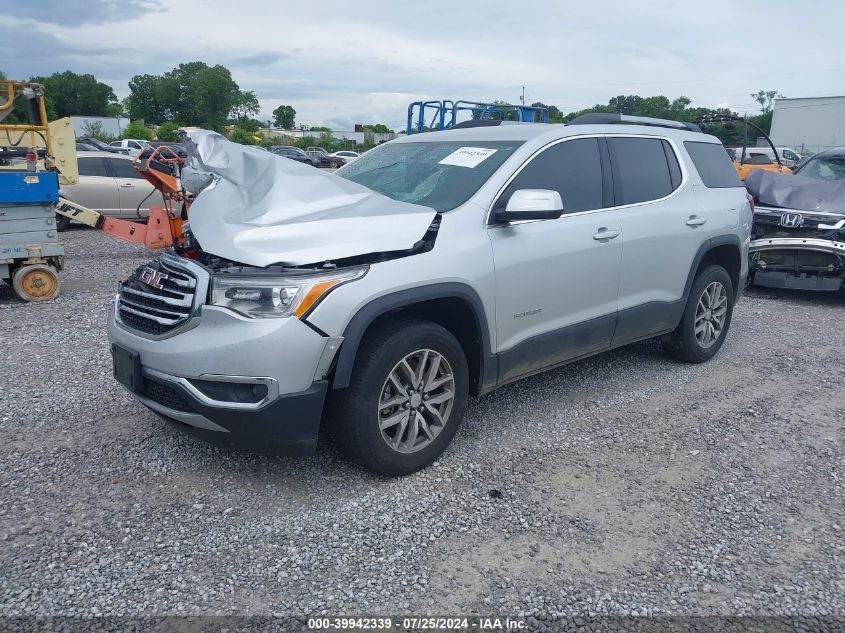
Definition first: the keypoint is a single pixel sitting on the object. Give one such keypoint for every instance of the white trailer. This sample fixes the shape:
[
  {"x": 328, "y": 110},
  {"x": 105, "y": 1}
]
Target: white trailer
[{"x": 809, "y": 124}]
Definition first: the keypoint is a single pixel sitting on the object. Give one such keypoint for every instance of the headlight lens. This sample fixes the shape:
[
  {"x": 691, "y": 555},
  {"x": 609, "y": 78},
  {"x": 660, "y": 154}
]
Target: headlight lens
[{"x": 264, "y": 296}]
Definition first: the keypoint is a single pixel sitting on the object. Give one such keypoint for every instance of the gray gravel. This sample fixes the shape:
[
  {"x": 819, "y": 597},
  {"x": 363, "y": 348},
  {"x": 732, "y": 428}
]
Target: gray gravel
[{"x": 630, "y": 484}]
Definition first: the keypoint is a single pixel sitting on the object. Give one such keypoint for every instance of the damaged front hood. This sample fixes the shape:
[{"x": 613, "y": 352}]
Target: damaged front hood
[
  {"x": 796, "y": 192},
  {"x": 257, "y": 208}
]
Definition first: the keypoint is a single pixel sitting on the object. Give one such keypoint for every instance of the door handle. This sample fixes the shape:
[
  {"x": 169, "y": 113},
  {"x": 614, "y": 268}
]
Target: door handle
[
  {"x": 694, "y": 220},
  {"x": 127, "y": 185},
  {"x": 604, "y": 234}
]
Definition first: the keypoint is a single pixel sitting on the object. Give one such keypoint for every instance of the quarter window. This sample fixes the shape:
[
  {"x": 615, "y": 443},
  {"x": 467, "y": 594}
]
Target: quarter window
[
  {"x": 641, "y": 169},
  {"x": 572, "y": 168},
  {"x": 93, "y": 166},
  {"x": 713, "y": 164}
]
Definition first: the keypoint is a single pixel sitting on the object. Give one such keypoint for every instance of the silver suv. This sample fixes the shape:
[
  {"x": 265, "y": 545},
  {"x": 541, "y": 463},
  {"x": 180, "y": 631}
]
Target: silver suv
[{"x": 546, "y": 244}]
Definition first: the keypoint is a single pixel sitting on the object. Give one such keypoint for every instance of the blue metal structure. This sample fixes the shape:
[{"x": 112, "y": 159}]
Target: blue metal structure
[
  {"x": 21, "y": 187},
  {"x": 442, "y": 115}
]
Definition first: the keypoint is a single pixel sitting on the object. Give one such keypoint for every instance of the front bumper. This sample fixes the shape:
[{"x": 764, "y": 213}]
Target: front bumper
[
  {"x": 797, "y": 263},
  {"x": 202, "y": 378}
]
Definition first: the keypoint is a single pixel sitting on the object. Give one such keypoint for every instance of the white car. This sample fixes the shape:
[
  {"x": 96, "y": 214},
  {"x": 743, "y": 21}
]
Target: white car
[
  {"x": 347, "y": 155},
  {"x": 134, "y": 146},
  {"x": 109, "y": 184}
]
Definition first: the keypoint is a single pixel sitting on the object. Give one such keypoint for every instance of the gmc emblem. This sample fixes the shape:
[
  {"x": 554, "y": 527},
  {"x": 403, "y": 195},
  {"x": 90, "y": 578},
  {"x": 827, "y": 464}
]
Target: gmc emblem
[{"x": 152, "y": 277}]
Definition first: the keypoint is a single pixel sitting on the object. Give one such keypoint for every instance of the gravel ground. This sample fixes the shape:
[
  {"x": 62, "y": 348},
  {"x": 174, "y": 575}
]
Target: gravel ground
[{"x": 624, "y": 484}]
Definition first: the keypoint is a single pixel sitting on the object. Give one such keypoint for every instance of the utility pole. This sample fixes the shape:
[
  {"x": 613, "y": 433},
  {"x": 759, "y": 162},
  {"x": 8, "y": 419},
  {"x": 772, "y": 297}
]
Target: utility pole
[{"x": 522, "y": 98}]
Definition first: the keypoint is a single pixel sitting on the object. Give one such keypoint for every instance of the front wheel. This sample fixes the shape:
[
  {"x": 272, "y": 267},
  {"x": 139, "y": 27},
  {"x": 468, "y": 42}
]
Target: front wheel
[
  {"x": 706, "y": 318},
  {"x": 405, "y": 400}
]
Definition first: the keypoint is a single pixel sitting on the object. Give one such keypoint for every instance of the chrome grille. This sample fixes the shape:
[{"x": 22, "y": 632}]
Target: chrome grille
[{"x": 160, "y": 296}]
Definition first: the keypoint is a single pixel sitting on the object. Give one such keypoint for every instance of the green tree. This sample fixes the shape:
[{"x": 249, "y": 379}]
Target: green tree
[
  {"x": 245, "y": 106},
  {"x": 148, "y": 99},
  {"x": 326, "y": 140},
  {"x": 242, "y": 136},
  {"x": 766, "y": 99},
  {"x": 378, "y": 128},
  {"x": 250, "y": 125},
  {"x": 555, "y": 115},
  {"x": 115, "y": 110},
  {"x": 94, "y": 129},
  {"x": 191, "y": 94},
  {"x": 284, "y": 116},
  {"x": 137, "y": 129},
  {"x": 168, "y": 131},
  {"x": 69, "y": 93}
]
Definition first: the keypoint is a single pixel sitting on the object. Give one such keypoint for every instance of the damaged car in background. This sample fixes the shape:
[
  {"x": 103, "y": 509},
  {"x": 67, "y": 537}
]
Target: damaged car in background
[
  {"x": 434, "y": 267},
  {"x": 798, "y": 235}
]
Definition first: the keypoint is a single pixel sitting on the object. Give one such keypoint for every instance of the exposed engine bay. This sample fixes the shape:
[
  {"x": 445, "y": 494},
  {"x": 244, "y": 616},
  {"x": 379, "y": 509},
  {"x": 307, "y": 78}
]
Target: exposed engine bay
[{"x": 798, "y": 234}]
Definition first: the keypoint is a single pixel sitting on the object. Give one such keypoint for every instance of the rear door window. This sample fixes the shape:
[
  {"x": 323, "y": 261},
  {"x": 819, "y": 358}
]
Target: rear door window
[
  {"x": 572, "y": 168},
  {"x": 713, "y": 165},
  {"x": 641, "y": 169},
  {"x": 94, "y": 166},
  {"x": 122, "y": 168}
]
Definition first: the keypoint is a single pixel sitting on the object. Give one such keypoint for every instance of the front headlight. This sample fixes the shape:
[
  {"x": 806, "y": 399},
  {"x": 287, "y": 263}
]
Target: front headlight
[{"x": 262, "y": 296}]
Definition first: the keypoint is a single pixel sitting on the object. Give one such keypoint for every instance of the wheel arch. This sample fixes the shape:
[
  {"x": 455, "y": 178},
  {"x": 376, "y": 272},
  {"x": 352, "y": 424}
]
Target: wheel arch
[
  {"x": 724, "y": 250},
  {"x": 455, "y": 306}
]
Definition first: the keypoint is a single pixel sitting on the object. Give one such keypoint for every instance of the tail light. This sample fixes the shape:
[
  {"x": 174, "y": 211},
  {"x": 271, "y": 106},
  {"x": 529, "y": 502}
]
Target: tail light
[{"x": 750, "y": 200}]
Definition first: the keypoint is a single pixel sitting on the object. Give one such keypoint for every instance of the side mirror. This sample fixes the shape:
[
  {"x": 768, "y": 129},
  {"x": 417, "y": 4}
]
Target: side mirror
[{"x": 532, "y": 204}]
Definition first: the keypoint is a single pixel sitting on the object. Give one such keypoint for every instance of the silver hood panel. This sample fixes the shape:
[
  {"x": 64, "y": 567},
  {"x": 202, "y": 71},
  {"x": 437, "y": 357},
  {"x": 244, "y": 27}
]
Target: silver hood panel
[{"x": 257, "y": 208}]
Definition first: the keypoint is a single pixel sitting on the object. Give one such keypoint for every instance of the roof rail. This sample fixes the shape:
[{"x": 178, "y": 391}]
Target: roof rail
[{"x": 600, "y": 118}]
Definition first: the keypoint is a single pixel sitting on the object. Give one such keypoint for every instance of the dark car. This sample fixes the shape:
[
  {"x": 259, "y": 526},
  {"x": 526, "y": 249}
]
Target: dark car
[
  {"x": 294, "y": 153},
  {"x": 86, "y": 147},
  {"x": 325, "y": 159},
  {"x": 826, "y": 165},
  {"x": 100, "y": 146},
  {"x": 799, "y": 225}
]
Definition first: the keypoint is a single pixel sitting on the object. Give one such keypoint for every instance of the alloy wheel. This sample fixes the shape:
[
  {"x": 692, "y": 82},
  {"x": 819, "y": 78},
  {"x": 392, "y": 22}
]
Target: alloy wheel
[
  {"x": 710, "y": 314},
  {"x": 416, "y": 400}
]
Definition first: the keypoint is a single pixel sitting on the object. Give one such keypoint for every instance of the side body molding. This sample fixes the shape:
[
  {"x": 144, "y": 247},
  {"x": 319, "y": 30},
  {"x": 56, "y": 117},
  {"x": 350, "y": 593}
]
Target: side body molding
[{"x": 405, "y": 298}]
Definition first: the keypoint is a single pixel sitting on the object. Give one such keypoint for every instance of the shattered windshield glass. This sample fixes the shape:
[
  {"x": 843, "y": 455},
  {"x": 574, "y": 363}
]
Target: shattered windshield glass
[
  {"x": 441, "y": 175},
  {"x": 824, "y": 168}
]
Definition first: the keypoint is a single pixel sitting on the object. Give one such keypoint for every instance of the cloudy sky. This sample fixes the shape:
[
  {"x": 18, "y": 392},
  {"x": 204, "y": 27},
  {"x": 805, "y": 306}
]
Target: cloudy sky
[{"x": 340, "y": 63}]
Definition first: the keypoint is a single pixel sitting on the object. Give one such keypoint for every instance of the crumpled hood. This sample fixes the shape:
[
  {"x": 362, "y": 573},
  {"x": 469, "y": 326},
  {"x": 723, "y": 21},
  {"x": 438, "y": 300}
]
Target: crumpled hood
[
  {"x": 256, "y": 208},
  {"x": 796, "y": 192}
]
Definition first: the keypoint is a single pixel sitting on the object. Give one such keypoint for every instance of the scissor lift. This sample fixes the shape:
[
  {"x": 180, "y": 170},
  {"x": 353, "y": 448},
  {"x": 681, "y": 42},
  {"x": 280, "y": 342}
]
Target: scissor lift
[
  {"x": 30, "y": 253},
  {"x": 35, "y": 158},
  {"x": 441, "y": 115}
]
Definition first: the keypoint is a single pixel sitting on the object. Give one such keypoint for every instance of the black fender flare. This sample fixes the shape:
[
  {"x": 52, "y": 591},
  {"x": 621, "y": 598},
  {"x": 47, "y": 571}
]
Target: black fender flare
[
  {"x": 357, "y": 326},
  {"x": 706, "y": 247}
]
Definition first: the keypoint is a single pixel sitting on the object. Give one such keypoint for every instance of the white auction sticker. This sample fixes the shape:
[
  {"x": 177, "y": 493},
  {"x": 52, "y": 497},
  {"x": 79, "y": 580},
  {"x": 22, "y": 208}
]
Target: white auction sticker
[{"x": 467, "y": 156}]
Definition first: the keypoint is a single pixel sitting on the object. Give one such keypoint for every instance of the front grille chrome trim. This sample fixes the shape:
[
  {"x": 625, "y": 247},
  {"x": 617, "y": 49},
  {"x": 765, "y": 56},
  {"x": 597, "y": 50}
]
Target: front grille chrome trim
[
  {"x": 187, "y": 301},
  {"x": 179, "y": 300}
]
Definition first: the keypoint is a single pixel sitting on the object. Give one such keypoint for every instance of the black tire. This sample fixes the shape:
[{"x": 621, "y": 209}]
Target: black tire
[
  {"x": 333, "y": 165},
  {"x": 62, "y": 223},
  {"x": 354, "y": 411},
  {"x": 683, "y": 344}
]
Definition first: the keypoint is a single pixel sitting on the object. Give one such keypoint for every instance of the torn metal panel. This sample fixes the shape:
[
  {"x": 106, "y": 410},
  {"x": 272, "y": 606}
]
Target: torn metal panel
[
  {"x": 259, "y": 209},
  {"x": 796, "y": 192}
]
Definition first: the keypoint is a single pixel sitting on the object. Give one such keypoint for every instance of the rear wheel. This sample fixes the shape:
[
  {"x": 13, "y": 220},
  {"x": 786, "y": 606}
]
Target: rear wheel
[
  {"x": 36, "y": 282},
  {"x": 706, "y": 318},
  {"x": 405, "y": 400}
]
